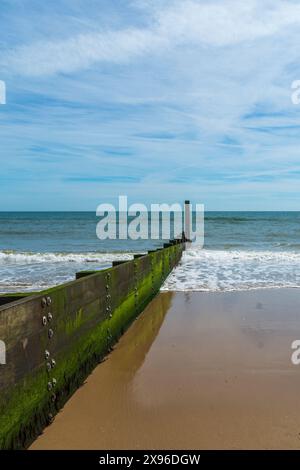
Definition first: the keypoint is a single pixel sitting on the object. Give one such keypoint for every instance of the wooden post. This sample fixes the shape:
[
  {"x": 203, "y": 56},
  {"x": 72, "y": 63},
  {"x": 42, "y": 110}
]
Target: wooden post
[{"x": 187, "y": 220}]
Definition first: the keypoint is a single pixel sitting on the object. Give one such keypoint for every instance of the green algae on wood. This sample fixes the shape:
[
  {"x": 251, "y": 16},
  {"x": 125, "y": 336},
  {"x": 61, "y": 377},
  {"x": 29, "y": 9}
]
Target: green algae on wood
[{"x": 88, "y": 316}]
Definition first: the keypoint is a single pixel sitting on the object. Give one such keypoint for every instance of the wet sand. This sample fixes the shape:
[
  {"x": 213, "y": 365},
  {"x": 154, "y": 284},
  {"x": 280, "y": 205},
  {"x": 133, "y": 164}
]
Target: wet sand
[{"x": 195, "y": 370}]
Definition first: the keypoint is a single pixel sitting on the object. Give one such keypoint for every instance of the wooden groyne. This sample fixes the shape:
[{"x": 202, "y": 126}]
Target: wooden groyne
[{"x": 56, "y": 337}]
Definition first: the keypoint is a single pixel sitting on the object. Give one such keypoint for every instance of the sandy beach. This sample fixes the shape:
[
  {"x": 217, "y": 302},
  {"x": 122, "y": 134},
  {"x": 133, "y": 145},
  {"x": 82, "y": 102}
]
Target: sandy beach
[{"x": 195, "y": 370}]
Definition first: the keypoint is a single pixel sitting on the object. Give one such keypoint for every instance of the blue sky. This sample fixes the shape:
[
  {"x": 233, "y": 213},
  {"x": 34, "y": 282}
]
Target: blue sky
[{"x": 159, "y": 100}]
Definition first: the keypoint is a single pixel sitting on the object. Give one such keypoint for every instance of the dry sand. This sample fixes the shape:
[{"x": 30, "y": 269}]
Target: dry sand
[{"x": 195, "y": 370}]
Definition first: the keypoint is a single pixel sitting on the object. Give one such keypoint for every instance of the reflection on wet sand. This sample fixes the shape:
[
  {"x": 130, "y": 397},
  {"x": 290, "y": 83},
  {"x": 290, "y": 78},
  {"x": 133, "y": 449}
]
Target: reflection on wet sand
[
  {"x": 93, "y": 418},
  {"x": 215, "y": 372}
]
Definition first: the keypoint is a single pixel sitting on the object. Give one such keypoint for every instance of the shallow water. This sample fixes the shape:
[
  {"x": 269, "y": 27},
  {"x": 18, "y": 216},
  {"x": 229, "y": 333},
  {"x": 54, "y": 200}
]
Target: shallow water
[
  {"x": 233, "y": 270},
  {"x": 243, "y": 250}
]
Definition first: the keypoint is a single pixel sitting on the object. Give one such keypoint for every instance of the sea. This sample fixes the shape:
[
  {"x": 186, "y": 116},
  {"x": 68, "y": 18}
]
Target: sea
[{"x": 242, "y": 251}]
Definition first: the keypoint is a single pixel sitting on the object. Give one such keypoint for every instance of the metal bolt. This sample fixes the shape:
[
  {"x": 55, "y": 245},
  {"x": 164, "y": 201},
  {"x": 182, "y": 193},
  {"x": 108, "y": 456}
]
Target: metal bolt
[
  {"x": 50, "y": 333},
  {"x": 54, "y": 382},
  {"x": 50, "y": 316},
  {"x": 44, "y": 321},
  {"x": 47, "y": 354},
  {"x": 53, "y": 363},
  {"x": 48, "y": 300},
  {"x": 44, "y": 302},
  {"x": 49, "y": 386},
  {"x": 110, "y": 315},
  {"x": 48, "y": 366}
]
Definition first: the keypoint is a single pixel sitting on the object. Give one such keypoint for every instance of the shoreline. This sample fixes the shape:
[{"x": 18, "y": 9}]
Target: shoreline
[{"x": 249, "y": 289}]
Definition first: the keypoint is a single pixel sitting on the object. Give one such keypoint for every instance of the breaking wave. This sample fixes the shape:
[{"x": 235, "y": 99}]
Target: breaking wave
[
  {"x": 26, "y": 271},
  {"x": 222, "y": 270},
  {"x": 9, "y": 256}
]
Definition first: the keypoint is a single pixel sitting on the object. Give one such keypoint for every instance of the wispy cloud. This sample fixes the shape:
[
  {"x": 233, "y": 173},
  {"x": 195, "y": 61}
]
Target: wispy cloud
[
  {"x": 101, "y": 179},
  {"x": 181, "y": 22},
  {"x": 79, "y": 52},
  {"x": 169, "y": 99}
]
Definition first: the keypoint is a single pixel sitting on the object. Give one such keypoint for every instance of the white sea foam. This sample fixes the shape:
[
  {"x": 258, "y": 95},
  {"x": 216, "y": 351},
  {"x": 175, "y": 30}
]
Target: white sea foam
[
  {"x": 222, "y": 270},
  {"x": 28, "y": 257},
  {"x": 21, "y": 271},
  {"x": 199, "y": 270}
]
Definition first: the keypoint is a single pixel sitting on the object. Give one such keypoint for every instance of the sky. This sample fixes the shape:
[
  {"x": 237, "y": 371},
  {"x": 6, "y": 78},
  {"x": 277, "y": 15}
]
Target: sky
[{"x": 159, "y": 100}]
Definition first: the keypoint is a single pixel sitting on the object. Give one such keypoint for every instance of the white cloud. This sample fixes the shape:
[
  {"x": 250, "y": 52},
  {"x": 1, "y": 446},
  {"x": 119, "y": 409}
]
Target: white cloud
[
  {"x": 80, "y": 52},
  {"x": 222, "y": 23},
  {"x": 200, "y": 23},
  {"x": 211, "y": 78}
]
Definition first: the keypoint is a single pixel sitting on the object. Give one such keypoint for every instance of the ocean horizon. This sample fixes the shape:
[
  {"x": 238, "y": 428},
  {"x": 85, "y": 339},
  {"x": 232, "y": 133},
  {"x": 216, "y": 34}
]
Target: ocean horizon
[{"x": 242, "y": 250}]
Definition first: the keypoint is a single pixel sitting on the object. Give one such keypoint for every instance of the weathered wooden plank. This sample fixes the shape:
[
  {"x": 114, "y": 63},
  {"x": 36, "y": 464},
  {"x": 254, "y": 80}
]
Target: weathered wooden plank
[{"x": 55, "y": 338}]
